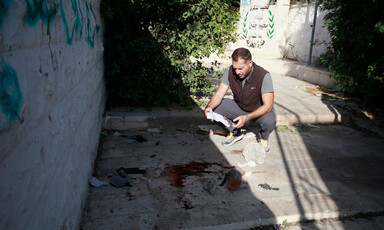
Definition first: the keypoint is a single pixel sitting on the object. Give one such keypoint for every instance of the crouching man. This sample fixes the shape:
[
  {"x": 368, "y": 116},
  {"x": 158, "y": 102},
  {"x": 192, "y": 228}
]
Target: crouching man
[{"x": 253, "y": 95}]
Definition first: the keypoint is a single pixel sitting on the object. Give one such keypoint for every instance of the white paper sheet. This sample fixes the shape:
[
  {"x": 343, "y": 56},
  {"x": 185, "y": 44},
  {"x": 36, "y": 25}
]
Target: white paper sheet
[{"x": 218, "y": 117}]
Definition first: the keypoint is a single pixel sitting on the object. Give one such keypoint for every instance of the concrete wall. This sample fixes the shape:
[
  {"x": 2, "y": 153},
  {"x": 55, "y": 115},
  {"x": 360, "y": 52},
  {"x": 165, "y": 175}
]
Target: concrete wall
[
  {"x": 299, "y": 31},
  {"x": 280, "y": 31},
  {"x": 52, "y": 99}
]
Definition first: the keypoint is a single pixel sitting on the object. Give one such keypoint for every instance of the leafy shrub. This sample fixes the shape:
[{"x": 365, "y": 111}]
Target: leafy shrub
[
  {"x": 355, "y": 55},
  {"x": 148, "y": 45}
]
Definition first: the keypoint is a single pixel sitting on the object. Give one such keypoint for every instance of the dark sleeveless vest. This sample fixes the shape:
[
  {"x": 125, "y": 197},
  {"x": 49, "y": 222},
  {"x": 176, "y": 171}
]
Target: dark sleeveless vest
[{"x": 248, "y": 97}]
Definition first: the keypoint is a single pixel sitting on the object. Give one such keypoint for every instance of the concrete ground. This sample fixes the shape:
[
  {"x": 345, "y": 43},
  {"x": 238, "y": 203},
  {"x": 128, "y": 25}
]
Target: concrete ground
[{"x": 326, "y": 166}]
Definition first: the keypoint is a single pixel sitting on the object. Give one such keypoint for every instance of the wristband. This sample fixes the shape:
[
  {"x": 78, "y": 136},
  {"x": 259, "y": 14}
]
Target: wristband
[{"x": 246, "y": 115}]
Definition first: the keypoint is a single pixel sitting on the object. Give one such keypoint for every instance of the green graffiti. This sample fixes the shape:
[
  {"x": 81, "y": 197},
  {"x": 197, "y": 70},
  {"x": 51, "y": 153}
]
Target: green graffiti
[
  {"x": 90, "y": 35},
  {"x": 245, "y": 31},
  {"x": 4, "y": 4},
  {"x": 10, "y": 95},
  {"x": 77, "y": 28},
  {"x": 271, "y": 25},
  {"x": 39, "y": 10},
  {"x": 78, "y": 24}
]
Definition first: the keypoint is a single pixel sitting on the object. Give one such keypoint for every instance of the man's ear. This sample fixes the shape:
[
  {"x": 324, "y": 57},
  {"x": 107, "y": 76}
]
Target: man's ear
[{"x": 250, "y": 63}]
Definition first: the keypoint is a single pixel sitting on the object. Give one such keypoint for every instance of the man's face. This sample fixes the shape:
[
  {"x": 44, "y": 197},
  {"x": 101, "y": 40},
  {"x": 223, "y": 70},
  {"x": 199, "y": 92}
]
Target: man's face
[{"x": 242, "y": 67}]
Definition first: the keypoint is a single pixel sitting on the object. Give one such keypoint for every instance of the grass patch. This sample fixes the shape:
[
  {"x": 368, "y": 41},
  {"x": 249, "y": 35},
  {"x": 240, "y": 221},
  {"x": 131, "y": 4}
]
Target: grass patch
[{"x": 285, "y": 128}]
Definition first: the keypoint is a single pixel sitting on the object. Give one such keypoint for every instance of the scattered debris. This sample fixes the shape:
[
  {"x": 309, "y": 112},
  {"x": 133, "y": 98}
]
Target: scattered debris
[
  {"x": 125, "y": 171},
  {"x": 154, "y": 172},
  {"x": 138, "y": 138},
  {"x": 117, "y": 134},
  {"x": 267, "y": 187},
  {"x": 104, "y": 133},
  {"x": 210, "y": 185},
  {"x": 187, "y": 204},
  {"x": 153, "y": 130},
  {"x": 122, "y": 179},
  {"x": 96, "y": 182},
  {"x": 118, "y": 180},
  {"x": 130, "y": 139},
  {"x": 313, "y": 126},
  {"x": 224, "y": 180},
  {"x": 234, "y": 178}
]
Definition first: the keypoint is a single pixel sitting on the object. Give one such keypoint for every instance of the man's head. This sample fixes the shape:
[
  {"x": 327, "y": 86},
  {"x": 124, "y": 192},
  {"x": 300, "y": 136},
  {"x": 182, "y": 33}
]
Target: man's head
[{"x": 242, "y": 62}]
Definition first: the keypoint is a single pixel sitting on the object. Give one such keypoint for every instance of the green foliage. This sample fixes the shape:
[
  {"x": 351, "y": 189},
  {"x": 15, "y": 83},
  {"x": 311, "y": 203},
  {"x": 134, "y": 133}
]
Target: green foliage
[
  {"x": 285, "y": 224},
  {"x": 148, "y": 45},
  {"x": 355, "y": 56}
]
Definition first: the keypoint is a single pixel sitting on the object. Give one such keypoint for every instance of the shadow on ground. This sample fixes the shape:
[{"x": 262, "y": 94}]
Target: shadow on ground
[
  {"x": 312, "y": 172},
  {"x": 178, "y": 160}
]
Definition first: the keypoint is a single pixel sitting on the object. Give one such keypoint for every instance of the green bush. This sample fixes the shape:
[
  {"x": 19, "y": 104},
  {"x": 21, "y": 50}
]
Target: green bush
[
  {"x": 148, "y": 45},
  {"x": 355, "y": 55}
]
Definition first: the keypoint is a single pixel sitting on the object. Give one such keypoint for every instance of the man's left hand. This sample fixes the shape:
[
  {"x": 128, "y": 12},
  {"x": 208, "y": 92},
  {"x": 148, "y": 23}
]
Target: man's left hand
[{"x": 240, "y": 121}]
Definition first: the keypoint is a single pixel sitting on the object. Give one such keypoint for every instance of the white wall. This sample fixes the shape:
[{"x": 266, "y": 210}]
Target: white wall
[
  {"x": 299, "y": 31},
  {"x": 277, "y": 31},
  {"x": 51, "y": 100}
]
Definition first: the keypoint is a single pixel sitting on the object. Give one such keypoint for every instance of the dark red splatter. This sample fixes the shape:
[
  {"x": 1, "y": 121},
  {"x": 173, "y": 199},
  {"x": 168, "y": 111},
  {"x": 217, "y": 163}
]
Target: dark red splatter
[
  {"x": 178, "y": 173},
  {"x": 237, "y": 151}
]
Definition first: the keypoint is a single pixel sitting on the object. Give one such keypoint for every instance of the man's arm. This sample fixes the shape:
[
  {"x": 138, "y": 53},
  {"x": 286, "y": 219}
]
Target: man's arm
[
  {"x": 216, "y": 98},
  {"x": 267, "y": 106}
]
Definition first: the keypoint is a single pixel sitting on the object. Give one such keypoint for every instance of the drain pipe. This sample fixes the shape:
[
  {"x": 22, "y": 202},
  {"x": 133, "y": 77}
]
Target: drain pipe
[{"x": 313, "y": 32}]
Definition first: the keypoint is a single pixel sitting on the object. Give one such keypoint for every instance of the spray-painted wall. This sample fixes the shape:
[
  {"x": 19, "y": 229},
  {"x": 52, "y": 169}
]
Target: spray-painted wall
[
  {"x": 275, "y": 29},
  {"x": 51, "y": 104}
]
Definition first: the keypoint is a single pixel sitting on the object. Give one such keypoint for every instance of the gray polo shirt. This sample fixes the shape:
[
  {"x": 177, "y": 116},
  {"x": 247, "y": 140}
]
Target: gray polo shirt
[{"x": 266, "y": 87}]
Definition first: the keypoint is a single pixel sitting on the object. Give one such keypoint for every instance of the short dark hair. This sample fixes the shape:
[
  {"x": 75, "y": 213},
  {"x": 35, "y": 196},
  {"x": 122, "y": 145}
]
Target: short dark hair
[{"x": 241, "y": 53}]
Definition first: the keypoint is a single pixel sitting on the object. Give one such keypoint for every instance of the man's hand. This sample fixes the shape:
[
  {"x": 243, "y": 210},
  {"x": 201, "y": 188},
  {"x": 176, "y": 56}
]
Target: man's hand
[
  {"x": 240, "y": 121},
  {"x": 208, "y": 110},
  {"x": 216, "y": 98}
]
